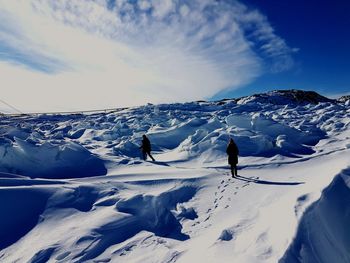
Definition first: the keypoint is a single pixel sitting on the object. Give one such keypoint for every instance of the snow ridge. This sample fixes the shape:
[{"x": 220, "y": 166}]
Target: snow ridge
[{"x": 322, "y": 235}]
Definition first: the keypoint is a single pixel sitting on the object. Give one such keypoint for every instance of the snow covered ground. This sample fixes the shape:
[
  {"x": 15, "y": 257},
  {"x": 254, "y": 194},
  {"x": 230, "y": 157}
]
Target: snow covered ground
[{"x": 74, "y": 189}]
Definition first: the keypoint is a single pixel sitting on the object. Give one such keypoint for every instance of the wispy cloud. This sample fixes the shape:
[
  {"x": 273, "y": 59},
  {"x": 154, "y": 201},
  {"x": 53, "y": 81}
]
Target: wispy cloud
[
  {"x": 105, "y": 53},
  {"x": 17, "y": 48}
]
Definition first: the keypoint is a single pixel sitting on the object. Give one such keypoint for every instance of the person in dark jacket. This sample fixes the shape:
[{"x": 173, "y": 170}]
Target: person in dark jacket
[
  {"x": 146, "y": 148},
  {"x": 232, "y": 152}
]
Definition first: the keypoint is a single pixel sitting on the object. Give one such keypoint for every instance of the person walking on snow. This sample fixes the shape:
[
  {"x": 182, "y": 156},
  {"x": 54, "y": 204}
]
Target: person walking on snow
[
  {"x": 146, "y": 148},
  {"x": 232, "y": 152}
]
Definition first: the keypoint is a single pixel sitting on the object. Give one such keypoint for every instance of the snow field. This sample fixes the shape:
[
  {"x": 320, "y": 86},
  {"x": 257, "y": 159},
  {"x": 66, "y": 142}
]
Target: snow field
[{"x": 73, "y": 188}]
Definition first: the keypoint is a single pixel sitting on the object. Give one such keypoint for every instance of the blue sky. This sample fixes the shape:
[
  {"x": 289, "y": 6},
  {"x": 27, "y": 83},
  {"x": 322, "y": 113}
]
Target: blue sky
[
  {"x": 320, "y": 30},
  {"x": 74, "y": 54}
]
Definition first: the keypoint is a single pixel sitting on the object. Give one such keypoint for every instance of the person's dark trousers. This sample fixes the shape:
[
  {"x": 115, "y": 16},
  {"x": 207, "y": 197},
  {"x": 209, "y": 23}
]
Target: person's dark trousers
[
  {"x": 234, "y": 170},
  {"x": 149, "y": 154},
  {"x": 144, "y": 155}
]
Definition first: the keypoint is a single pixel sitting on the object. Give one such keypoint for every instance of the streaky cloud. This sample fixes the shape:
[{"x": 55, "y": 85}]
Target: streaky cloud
[
  {"x": 14, "y": 48},
  {"x": 139, "y": 51}
]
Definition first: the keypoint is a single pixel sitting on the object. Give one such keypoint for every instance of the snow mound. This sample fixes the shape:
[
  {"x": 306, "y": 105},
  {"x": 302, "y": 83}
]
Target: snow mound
[
  {"x": 324, "y": 231},
  {"x": 37, "y": 209},
  {"x": 155, "y": 212},
  {"x": 143, "y": 212},
  {"x": 67, "y": 160}
]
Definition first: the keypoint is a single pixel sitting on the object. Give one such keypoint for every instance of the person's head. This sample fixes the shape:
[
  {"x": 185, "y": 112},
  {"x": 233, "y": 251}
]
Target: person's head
[
  {"x": 144, "y": 136},
  {"x": 231, "y": 141}
]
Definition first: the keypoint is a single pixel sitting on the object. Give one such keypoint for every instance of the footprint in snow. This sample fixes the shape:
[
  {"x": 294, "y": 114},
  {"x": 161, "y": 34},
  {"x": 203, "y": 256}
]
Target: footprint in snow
[
  {"x": 196, "y": 223},
  {"x": 63, "y": 255},
  {"x": 223, "y": 190}
]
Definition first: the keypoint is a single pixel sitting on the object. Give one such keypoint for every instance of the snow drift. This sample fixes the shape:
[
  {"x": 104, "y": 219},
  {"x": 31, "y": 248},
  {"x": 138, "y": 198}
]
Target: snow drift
[
  {"x": 67, "y": 160},
  {"x": 324, "y": 232}
]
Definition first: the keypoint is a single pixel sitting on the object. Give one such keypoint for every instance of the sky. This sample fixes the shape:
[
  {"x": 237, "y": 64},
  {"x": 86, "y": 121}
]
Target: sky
[
  {"x": 66, "y": 55},
  {"x": 320, "y": 30}
]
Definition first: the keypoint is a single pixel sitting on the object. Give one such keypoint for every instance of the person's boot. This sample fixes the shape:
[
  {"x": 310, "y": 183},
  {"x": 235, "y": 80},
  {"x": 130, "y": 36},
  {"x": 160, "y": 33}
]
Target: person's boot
[{"x": 151, "y": 157}]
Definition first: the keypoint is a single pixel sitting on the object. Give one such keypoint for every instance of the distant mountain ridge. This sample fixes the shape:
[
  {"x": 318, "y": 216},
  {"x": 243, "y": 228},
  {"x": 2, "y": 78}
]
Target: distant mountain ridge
[
  {"x": 282, "y": 97},
  {"x": 277, "y": 97}
]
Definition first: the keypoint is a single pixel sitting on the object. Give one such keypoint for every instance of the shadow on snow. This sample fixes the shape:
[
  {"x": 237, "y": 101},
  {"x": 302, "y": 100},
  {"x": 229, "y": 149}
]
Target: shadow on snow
[{"x": 257, "y": 181}]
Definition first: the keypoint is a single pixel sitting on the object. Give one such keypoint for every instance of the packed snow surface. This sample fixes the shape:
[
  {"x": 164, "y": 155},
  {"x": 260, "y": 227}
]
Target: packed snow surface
[{"x": 74, "y": 189}]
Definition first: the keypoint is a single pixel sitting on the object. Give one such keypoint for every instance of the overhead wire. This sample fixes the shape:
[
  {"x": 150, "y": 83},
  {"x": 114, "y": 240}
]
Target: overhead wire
[{"x": 12, "y": 107}]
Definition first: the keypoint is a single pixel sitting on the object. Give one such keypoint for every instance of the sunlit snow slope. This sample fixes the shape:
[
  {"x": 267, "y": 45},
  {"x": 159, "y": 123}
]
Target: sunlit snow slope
[{"x": 74, "y": 189}]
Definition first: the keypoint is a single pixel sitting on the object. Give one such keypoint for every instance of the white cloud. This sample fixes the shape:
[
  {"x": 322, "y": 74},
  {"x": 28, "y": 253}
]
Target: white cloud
[
  {"x": 100, "y": 55},
  {"x": 162, "y": 8},
  {"x": 184, "y": 10},
  {"x": 144, "y": 5}
]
